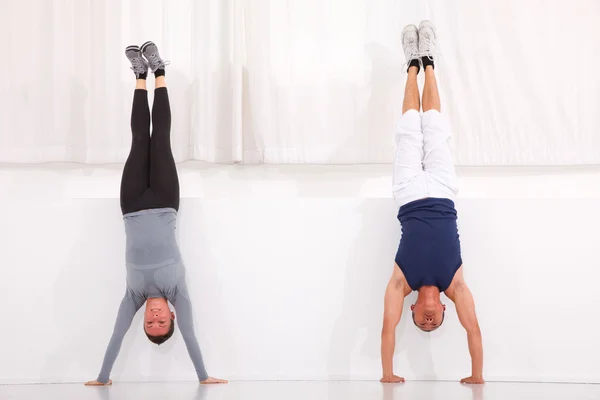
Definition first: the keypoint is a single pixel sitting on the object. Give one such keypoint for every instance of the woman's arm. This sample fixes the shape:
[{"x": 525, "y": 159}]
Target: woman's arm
[
  {"x": 185, "y": 321},
  {"x": 129, "y": 306}
]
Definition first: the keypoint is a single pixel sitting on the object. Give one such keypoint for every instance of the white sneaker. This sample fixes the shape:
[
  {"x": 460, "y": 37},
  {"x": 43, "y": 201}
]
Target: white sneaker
[
  {"x": 410, "y": 43},
  {"x": 426, "y": 39}
]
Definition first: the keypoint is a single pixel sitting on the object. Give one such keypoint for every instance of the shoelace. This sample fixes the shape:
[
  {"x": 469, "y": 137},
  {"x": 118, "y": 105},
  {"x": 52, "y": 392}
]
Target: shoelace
[
  {"x": 414, "y": 54},
  {"x": 156, "y": 62},
  {"x": 429, "y": 43},
  {"x": 137, "y": 65}
]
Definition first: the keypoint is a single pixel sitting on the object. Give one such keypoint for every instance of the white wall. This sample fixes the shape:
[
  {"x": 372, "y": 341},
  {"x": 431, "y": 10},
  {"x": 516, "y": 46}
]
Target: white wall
[{"x": 287, "y": 267}]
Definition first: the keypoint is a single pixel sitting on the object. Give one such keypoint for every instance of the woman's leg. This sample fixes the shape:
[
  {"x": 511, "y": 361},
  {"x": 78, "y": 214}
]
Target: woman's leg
[
  {"x": 164, "y": 181},
  {"x": 135, "y": 179}
]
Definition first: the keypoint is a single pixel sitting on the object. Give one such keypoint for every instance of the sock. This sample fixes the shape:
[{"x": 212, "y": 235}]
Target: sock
[
  {"x": 427, "y": 61},
  {"x": 159, "y": 72},
  {"x": 142, "y": 76},
  {"x": 414, "y": 63}
]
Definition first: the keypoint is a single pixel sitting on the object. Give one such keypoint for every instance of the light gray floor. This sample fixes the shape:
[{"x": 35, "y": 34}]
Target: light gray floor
[{"x": 305, "y": 391}]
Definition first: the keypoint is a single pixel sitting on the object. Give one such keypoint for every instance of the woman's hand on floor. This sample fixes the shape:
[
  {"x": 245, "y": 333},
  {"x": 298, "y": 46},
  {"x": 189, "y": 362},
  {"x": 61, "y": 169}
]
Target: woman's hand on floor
[
  {"x": 96, "y": 383},
  {"x": 211, "y": 381}
]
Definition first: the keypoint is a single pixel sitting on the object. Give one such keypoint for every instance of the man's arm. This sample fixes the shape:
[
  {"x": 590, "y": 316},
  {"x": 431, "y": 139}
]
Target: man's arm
[
  {"x": 393, "y": 303},
  {"x": 460, "y": 294},
  {"x": 129, "y": 306}
]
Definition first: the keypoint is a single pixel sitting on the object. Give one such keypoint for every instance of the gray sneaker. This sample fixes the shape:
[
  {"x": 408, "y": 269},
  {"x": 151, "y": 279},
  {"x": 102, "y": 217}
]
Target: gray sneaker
[
  {"x": 150, "y": 52},
  {"x": 138, "y": 64},
  {"x": 410, "y": 43},
  {"x": 427, "y": 39}
]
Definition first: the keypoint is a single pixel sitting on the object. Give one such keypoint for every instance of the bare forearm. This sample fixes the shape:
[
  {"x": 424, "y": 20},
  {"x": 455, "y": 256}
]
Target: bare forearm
[
  {"x": 465, "y": 307},
  {"x": 393, "y": 303},
  {"x": 476, "y": 351},
  {"x": 388, "y": 343}
]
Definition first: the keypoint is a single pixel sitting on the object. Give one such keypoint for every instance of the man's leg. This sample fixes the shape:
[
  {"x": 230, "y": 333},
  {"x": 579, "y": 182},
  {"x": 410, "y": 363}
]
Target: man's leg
[
  {"x": 411, "y": 91},
  {"x": 408, "y": 184},
  {"x": 437, "y": 161},
  {"x": 431, "y": 96},
  {"x": 427, "y": 43}
]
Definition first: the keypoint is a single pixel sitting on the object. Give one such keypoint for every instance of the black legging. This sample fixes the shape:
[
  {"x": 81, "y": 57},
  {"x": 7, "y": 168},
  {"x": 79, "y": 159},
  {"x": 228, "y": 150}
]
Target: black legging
[{"x": 150, "y": 175}]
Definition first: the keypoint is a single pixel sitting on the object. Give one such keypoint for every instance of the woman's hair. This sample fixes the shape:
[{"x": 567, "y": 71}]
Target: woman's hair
[{"x": 163, "y": 338}]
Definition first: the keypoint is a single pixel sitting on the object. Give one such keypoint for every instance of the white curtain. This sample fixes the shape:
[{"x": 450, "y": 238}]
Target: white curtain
[
  {"x": 66, "y": 89},
  {"x": 324, "y": 80},
  {"x": 518, "y": 79},
  {"x": 300, "y": 81}
]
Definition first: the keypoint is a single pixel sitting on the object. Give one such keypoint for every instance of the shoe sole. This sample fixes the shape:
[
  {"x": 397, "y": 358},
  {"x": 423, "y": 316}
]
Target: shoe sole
[
  {"x": 145, "y": 45},
  {"x": 428, "y": 24},
  {"x": 408, "y": 28},
  {"x": 130, "y": 48}
]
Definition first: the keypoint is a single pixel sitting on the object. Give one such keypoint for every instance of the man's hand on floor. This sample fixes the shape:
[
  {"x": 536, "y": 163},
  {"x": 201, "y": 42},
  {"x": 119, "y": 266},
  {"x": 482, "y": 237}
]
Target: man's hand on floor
[
  {"x": 392, "y": 379},
  {"x": 473, "y": 380}
]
